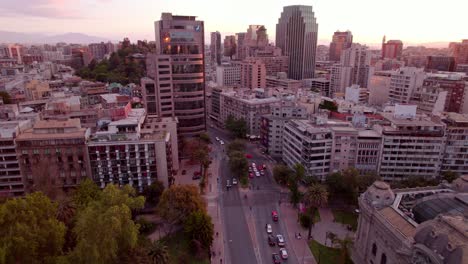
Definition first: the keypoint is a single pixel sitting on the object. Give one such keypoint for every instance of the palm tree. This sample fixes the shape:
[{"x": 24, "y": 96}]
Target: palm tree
[
  {"x": 344, "y": 245},
  {"x": 159, "y": 253},
  {"x": 316, "y": 196}
]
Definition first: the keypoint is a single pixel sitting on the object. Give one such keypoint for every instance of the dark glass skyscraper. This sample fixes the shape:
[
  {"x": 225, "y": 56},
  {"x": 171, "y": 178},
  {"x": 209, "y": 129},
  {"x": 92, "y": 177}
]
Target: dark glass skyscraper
[{"x": 296, "y": 35}]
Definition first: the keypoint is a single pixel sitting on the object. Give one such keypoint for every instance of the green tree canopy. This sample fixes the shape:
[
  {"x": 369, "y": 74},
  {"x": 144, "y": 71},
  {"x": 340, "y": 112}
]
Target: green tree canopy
[
  {"x": 329, "y": 105},
  {"x": 104, "y": 228},
  {"x": 236, "y": 145},
  {"x": 30, "y": 232},
  {"x": 450, "y": 176},
  {"x": 238, "y": 163},
  {"x": 237, "y": 127},
  {"x": 86, "y": 192},
  {"x": 153, "y": 192},
  {"x": 199, "y": 227},
  {"x": 178, "y": 201},
  {"x": 282, "y": 174}
]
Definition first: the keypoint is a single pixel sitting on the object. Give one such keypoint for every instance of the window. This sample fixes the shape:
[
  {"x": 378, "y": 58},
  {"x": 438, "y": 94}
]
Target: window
[
  {"x": 383, "y": 259},
  {"x": 374, "y": 249}
]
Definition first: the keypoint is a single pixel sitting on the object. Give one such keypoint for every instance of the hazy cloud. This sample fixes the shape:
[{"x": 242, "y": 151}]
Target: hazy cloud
[{"x": 40, "y": 8}]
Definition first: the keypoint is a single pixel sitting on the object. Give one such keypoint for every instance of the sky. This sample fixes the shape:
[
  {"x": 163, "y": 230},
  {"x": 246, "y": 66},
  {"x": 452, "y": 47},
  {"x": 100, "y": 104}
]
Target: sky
[{"x": 412, "y": 21}]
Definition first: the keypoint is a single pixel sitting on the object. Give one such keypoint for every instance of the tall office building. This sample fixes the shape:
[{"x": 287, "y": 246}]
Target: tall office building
[
  {"x": 176, "y": 86},
  {"x": 392, "y": 49},
  {"x": 340, "y": 42},
  {"x": 240, "y": 51},
  {"x": 296, "y": 35},
  {"x": 230, "y": 46},
  {"x": 215, "y": 48},
  {"x": 252, "y": 74},
  {"x": 460, "y": 51}
]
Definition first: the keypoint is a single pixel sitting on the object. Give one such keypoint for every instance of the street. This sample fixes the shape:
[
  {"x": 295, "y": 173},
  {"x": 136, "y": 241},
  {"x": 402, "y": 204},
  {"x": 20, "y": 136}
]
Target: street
[{"x": 245, "y": 218}]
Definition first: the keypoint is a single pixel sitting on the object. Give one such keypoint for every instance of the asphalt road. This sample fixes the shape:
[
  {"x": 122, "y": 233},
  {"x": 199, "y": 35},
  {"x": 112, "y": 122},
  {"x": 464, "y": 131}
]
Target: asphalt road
[{"x": 241, "y": 246}]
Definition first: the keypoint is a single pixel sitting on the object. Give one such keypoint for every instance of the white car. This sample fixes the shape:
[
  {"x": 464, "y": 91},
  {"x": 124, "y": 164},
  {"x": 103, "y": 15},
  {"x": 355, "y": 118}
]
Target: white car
[
  {"x": 217, "y": 138},
  {"x": 234, "y": 181},
  {"x": 221, "y": 142},
  {"x": 253, "y": 165},
  {"x": 283, "y": 253},
  {"x": 280, "y": 240},
  {"x": 257, "y": 173},
  {"x": 268, "y": 228}
]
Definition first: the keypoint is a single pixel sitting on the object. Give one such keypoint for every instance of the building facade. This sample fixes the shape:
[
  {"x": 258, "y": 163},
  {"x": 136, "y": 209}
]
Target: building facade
[
  {"x": 392, "y": 49},
  {"x": 340, "y": 42},
  {"x": 456, "y": 149},
  {"x": 215, "y": 48},
  {"x": 403, "y": 83},
  {"x": 228, "y": 75},
  {"x": 296, "y": 35},
  {"x": 252, "y": 73}
]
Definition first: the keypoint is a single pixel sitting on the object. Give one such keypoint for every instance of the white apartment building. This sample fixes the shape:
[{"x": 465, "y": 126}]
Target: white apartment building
[
  {"x": 379, "y": 87},
  {"x": 411, "y": 146},
  {"x": 404, "y": 82},
  {"x": 308, "y": 144},
  {"x": 120, "y": 155},
  {"x": 356, "y": 94},
  {"x": 242, "y": 104},
  {"x": 344, "y": 147},
  {"x": 456, "y": 149},
  {"x": 272, "y": 126},
  {"x": 228, "y": 75},
  {"x": 318, "y": 85}
]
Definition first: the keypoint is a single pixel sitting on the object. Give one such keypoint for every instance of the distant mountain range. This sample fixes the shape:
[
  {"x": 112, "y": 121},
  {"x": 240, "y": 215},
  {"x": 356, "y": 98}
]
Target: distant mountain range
[{"x": 38, "y": 38}]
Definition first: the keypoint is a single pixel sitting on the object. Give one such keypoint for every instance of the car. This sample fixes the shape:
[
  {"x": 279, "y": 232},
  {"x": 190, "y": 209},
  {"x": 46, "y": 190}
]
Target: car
[
  {"x": 217, "y": 138},
  {"x": 221, "y": 142},
  {"x": 264, "y": 166},
  {"x": 268, "y": 228},
  {"x": 250, "y": 169},
  {"x": 196, "y": 177},
  {"x": 253, "y": 165},
  {"x": 276, "y": 258},
  {"x": 271, "y": 240},
  {"x": 274, "y": 216},
  {"x": 283, "y": 253},
  {"x": 251, "y": 175},
  {"x": 228, "y": 184},
  {"x": 257, "y": 174},
  {"x": 262, "y": 172},
  {"x": 234, "y": 181},
  {"x": 280, "y": 240},
  {"x": 260, "y": 167}
]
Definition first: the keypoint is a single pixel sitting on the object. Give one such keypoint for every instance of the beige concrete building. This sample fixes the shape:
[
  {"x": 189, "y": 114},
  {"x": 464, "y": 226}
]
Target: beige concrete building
[
  {"x": 412, "y": 226},
  {"x": 456, "y": 149},
  {"x": 36, "y": 90},
  {"x": 281, "y": 80},
  {"x": 252, "y": 73}
]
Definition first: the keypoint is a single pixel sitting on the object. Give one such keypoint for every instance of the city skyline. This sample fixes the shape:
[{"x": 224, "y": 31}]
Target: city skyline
[{"x": 368, "y": 23}]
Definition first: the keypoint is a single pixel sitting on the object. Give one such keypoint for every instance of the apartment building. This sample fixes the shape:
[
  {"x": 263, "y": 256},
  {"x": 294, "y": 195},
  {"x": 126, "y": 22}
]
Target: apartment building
[
  {"x": 11, "y": 181},
  {"x": 404, "y": 82},
  {"x": 253, "y": 73},
  {"x": 368, "y": 150},
  {"x": 272, "y": 126},
  {"x": 318, "y": 85},
  {"x": 344, "y": 147},
  {"x": 412, "y": 146},
  {"x": 308, "y": 144},
  {"x": 456, "y": 149},
  {"x": 280, "y": 80},
  {"x": 228, "y": 75},
  {"x": 54, "y": 153},
  {"x": 121, "y": 155},
  {"x": 242, "y": 104}
]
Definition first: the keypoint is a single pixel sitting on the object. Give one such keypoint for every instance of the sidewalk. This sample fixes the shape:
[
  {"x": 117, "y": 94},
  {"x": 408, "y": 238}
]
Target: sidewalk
[
  {"x": 212, "y": 201},
  {"x": 327, "y": 224},
  {"x": 288, "y": 214}
]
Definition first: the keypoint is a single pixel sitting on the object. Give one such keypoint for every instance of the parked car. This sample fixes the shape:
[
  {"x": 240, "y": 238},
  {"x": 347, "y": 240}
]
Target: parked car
[
  {"x": 196, "y": 175},
  {"x": 217, "y": 138},
  {"x": 271, "y": 240},
  {"x": 280, "y": 240},
  {"x": 274, "y": 216},
  {"x": 234, "y": 181},
  {"x": 257, "y": 174},
  {"x": 262, "y": 172},
  {"x": 276, "y": 258},
  {"x": 264, "y": 166},
  {"x": 251, "y": 175},
  {"x": 250, "y": 169},
  {"x": 221, "y": 142},
  {"x": 268, "y": 228},
  {"x": 283, "y": 253},
  {"x": 228, "y": 184}
]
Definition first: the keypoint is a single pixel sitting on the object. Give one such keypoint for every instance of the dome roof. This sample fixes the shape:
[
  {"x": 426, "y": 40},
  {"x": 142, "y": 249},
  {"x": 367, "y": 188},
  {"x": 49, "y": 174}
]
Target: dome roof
[{"x": 379, "y": 195}]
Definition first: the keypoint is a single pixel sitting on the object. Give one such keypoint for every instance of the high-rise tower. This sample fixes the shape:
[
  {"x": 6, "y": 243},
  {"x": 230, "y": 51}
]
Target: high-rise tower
[{"x": 296, "y": 35}]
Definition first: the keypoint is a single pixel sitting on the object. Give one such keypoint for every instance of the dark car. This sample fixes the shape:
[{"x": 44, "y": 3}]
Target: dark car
[
  {"x": 276, "y": 258},
  {"x": 196, "y": 175},
  {"x": 271, "y": 240},
  {"x": 274, "y": 216}
]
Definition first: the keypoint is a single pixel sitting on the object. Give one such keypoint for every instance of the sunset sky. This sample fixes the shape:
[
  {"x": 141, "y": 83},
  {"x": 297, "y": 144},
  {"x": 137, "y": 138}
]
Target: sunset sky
[{"x": 413, "y": 21}]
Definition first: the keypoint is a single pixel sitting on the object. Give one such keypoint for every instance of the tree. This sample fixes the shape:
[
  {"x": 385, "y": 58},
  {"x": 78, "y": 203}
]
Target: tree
[
  {"x": 238, "y": 163},
  {"x": 86, "y": 192},
  {"x": 282, "y": 173},
  {"x": 329, "y": 105},
  {"x": 30, "y": 232},
  {"x": 316, "y": 196},
  {"x": 198, "y": 226},
  {"x": 179, "y": 201},
  {"x": 104, "y": 228},
  {"x": 205, "y": 138},
  {"x": 159, "y": 253},
  {"x": 202, "y": 157},
  {"x": 449, "y": 176},
  {"x": 153, "y": 192},
  {"x": 366, "y": 180},
  {"x": 299, "y": 173},
  {"x": 5, "y": 97},
  {"x": 236, "y": 145},
  {"x": 344, "y": 245},
  {"x": 237, "y": 127}
]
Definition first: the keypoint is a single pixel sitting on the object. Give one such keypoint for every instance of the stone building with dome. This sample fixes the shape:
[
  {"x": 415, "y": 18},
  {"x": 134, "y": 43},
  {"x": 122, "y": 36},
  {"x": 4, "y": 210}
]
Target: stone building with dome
[{"x": 427, "y": 225}]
